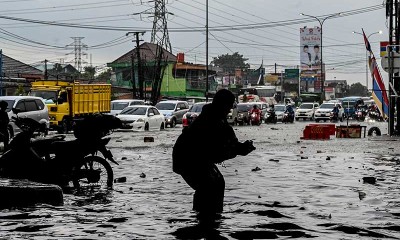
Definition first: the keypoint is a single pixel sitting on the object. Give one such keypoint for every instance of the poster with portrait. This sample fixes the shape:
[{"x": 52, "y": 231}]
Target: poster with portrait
[{"x": 310, "y": 49}]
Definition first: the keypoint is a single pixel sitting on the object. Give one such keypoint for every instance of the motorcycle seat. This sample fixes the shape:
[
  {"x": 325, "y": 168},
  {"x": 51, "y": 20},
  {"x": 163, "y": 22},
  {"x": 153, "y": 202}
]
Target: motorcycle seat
[{"x": 64, "y": 146}]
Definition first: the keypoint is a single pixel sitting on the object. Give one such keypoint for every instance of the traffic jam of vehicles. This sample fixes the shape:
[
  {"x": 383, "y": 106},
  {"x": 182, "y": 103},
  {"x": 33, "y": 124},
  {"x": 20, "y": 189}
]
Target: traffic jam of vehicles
[{"x": 254, "y": 106}]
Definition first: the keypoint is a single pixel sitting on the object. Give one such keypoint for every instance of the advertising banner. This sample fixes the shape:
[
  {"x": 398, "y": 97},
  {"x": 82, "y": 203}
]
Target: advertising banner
[{"x": 310, "y": 49}]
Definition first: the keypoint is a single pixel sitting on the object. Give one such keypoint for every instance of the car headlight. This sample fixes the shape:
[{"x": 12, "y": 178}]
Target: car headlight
[{"x": 140, "y": 120}]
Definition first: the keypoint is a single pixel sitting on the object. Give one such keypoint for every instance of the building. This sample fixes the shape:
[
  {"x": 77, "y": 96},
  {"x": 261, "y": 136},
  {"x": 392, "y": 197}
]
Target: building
[
  {"x": 335, "y": 88},
  {"x": 179, "y": 79},
  {"x": 16, "y": 74},
  {"x": 59, "y": 71}
]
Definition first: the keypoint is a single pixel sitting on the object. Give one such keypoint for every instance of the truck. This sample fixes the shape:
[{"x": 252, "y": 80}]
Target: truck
[{"x": 68, "y": 101}]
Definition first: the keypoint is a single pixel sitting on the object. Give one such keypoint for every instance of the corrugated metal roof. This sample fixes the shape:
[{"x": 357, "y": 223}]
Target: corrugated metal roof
[
  {"x": 14, "y": 68},
  {"x": 147, "y": 53}
]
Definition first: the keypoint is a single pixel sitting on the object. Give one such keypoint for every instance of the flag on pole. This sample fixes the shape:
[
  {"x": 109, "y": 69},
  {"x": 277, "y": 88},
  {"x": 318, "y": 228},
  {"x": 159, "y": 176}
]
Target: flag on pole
[{"x": 379, "y": 93}]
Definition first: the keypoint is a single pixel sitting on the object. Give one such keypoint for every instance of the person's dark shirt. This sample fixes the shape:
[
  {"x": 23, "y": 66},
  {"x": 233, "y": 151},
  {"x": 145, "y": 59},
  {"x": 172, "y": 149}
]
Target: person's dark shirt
[
  {"x": 208, "y": 140},
  {"x": 289, "y": 109},
  {"x": 4, "y": 120}
]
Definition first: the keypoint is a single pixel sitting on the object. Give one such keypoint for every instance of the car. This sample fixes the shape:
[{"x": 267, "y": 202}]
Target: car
[
  {"x": 243, "y": 116},
  {"x": 193, "y": 113},
  {"x": 118, "y": 105},
  {"x": 306, "y": 111},
  {"x": 173, "y": 111},
  {"x": 29, "y": 107},
  {"x": 324, "y": 111},
  {"x": 232, "y": 117},
  {"x": 141, "y": 117},
  {"x": 279, "y": 111}
]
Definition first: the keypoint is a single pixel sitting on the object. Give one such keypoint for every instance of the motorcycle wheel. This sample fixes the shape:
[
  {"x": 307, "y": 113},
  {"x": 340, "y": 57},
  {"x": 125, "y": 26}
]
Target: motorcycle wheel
[{"x": 93, "y": 171}]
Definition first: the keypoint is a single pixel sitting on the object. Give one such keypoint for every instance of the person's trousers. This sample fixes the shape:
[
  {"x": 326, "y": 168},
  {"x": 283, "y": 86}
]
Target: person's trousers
[{"x": 209, "y": 186}]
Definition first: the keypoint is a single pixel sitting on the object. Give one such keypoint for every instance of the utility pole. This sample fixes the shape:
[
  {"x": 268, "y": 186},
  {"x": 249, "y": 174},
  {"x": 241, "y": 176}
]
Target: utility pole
[
  {"x": 133, "y": 76},
  {"x": 1, "y": 72},
  {"x": 46, "y": 74},
  {"x": 139, "y": 63},
  {"x": 396, "y": 77},
  {"x": 206, "y": 50},
  {"x": 392, "y": 16}
]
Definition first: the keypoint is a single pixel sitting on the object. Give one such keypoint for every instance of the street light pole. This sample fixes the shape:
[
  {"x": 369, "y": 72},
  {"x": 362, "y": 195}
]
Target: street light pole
[
  {"x": 366, "y": 56},
  {"x": 321, "y": 23},
  {"x": 206, "y": 50}
]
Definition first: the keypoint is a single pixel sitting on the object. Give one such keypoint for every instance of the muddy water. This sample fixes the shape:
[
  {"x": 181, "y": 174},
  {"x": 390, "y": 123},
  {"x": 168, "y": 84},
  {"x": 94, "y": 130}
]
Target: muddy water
[{"x": 286, "y": 189}]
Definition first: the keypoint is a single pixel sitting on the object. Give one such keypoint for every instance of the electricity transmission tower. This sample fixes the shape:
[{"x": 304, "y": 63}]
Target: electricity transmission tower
[
  {"x": 77, "y": 46},
  {"x": 159, "y": 33}
]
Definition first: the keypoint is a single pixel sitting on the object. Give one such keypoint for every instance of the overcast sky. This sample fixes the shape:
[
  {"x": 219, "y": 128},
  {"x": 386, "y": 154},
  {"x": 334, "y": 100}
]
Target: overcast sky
[{"x": 343, "y": 53}]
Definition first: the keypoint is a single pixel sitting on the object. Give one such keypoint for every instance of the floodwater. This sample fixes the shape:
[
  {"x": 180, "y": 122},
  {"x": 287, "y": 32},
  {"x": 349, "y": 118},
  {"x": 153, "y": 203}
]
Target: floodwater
[{"x": 287, "y": 188}]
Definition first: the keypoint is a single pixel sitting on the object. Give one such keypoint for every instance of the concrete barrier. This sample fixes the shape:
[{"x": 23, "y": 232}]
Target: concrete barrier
[
  {"x": 316, "y": 132},
  {"x": 22, "y": 193},
  {"x": 331, "y": 127}
]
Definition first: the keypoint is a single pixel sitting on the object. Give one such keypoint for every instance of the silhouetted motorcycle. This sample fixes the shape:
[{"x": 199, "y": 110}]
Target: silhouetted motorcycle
[
  {"x": 255, "y": 118},
  {"x": 271, "y": 117},
  {"x": 288, "y": 117},
  {"x": 334, "y": 117},
  {"x": 57, "y": 161},
  {"x": 360, "y": 115},
  {"x": 375, "y": 115}
]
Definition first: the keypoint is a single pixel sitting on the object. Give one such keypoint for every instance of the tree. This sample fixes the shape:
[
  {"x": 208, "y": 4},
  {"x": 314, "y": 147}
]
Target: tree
[
  {"x": 104, "y": 76},
  {"x": 89, "y": 72},
  {"x": 57, "y": 68},
  {"x": 20, "y": 91},
  {"x": 357, "y": 89},
  {"x": 230, "y": 62}
]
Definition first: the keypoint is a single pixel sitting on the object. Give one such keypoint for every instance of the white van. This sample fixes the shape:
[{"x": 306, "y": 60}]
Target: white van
[
  {"x": 118, "y": 105},
  {"x": 30, "y": 107}
]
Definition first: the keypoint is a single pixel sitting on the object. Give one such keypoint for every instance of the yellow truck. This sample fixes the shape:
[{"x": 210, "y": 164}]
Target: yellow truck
[{"x": 67, "y": 101}]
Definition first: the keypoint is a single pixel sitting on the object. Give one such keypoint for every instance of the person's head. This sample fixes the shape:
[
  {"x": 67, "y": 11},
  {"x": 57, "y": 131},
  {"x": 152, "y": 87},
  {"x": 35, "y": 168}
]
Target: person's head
[
  {"x": 305, "y": 48},
  {"x": 255, "y": 106},
  {"x": 3, "y": 105},
  {"x": 223, "y": 101},
  {"x": 316, "y": 49}
]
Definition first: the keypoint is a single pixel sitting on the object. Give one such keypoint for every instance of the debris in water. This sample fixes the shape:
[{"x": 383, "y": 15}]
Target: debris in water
[
  {"x": 304, "y": 157},
  {"x": 148, "y": 139},
  {"x": 274, "y": 160},
  {"x": 256, "y": 169},
  {"x": 124, "y": 158},
  {"x": 120, "y": 180},
  {"x": 370, "y": 180},
  {"x": 361, "y": 195},
  {"x": 142, "y": 175},
  {"x": 328, "y": 158}
]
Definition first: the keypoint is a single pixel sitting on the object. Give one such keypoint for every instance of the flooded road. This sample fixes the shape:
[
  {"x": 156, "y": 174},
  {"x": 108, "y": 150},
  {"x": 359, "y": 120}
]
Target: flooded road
[{"x": 287, "y": 188}]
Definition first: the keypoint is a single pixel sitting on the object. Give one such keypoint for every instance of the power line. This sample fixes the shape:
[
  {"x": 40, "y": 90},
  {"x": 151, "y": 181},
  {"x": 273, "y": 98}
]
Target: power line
[{"x": 192, "y": 29}]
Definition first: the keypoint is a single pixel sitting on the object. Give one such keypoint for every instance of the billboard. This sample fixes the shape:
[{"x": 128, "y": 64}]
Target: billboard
[{"x": 310, "y": 49}]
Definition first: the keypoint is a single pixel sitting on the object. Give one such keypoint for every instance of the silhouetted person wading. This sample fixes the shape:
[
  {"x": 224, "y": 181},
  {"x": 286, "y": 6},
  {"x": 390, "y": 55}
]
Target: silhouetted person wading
[
  {"x": 4, "y": 120},
  {"x": 207, "y": 141}
]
